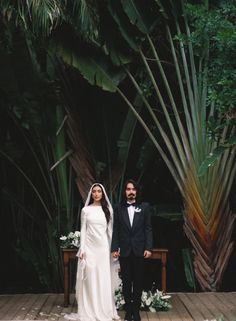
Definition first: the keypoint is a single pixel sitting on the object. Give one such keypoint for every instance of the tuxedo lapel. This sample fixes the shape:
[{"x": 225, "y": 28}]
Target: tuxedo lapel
[
  {"x": 137, "y": 215},
  {"x": 126, "y": 216}
]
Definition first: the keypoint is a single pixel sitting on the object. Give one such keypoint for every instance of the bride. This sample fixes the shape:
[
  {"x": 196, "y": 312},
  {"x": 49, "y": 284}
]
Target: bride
[{"x": 97, "y": 273}]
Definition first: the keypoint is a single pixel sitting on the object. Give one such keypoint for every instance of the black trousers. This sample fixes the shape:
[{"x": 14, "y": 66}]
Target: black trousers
[{"x": 132, "y": 275}]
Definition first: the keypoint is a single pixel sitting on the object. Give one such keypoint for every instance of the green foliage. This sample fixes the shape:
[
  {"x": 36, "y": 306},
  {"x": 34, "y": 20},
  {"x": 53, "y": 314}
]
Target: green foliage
[
  {"x": 95, "y": 69},
  {"x": 187, "y": 76},
  {"x": 188, "y": 268},
  {"x": 42, "y": 202},
  {"x": 214, "y": 37}
]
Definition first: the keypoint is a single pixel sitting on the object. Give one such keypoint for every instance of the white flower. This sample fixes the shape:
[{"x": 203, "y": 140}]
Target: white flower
[
  {"x": 144, "y": 296},
  {"x": 72, "y": 240},
  {"x": 137, "y": 209},
  {"x": 152, "y": 309},
  {"x": 148, "y": 301},
  {"x": 165, "y": 297},
  {"x": 153, "y": 301}
]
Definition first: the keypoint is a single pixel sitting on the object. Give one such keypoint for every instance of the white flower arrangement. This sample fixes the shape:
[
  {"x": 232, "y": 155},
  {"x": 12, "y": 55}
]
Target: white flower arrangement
[
  {"x": 71, "y": 241},
  {"x": 151, "y": 300},
  {"x": 119, "y": 299},
  {"x": 137, "y": 209},
  {"x": 155, "y": 301}
]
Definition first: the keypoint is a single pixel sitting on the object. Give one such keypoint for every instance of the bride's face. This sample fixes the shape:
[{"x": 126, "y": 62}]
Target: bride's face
[{"x": 97, "y": 193}]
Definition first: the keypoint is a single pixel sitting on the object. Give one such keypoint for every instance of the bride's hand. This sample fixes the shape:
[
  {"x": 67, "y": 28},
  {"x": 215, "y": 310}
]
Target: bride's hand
[
  {"x": 115, "y": 254},
  {"x": 81, "y": 256}
]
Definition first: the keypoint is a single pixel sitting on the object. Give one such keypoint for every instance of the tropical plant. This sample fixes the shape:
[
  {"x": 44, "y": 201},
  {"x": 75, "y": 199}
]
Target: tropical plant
[
  {"x": 153, "y": 46},
  {"x": 179, "y": 86},
  {"x": 42, "y": 201},
  {"x": 37, "y": 111}
]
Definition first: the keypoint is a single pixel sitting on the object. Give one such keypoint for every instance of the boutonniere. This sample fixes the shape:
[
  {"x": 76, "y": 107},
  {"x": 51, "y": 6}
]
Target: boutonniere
[{"x": 137, "y": 209}]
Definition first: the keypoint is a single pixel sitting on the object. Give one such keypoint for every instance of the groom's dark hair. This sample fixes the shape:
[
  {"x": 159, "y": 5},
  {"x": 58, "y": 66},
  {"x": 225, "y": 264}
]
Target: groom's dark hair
[{"x": 136, "y": 186}]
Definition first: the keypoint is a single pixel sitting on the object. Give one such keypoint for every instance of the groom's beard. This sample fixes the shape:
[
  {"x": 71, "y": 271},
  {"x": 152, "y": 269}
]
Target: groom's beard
[{"x": 131, "y": 197}]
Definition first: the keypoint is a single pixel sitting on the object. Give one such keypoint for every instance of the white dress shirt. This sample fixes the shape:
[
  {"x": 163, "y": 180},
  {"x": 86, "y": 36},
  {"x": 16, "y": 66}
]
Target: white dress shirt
[{"x": 131, "y": 210}]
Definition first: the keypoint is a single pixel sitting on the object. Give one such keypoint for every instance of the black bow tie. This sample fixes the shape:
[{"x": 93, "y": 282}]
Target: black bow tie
[{"x": 130, "y": 204}]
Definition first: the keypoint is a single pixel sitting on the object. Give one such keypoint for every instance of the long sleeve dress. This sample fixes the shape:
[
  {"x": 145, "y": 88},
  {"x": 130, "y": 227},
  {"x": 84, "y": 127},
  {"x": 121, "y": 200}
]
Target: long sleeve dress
[{"x": 94, "y": 290}]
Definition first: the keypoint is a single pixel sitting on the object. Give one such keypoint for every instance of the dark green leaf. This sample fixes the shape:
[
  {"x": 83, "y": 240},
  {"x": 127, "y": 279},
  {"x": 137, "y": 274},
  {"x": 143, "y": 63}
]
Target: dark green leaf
[
  {"x": 97, "y": 69},
  {"x": 137, "y": 13},
  {"x": 188, "y": 267}
]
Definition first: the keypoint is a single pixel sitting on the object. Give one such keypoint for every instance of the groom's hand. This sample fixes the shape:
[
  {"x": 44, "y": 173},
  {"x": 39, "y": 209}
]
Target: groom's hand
[
  {"x": 147, "y": 254},
  {"x": 115, "y": 254}
]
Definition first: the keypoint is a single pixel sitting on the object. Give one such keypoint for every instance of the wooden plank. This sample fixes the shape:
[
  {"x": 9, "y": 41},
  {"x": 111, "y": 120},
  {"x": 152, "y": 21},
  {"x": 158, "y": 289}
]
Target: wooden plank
[
  {"x": 4, "y": 299},
  {"x": 186, "y": 307},
  {"x": 207, "y": 310},
  {"x": 163, "y": 316},
  {"x": 215, "y": 306},
  {"x": 180, "y": 307},
  {"x": 153, "y": 316},
  {"x": 20, "y": 306},
  {"x": 46, "y": 308},
  {"x": 23, "y": 310},
  {"x": 54, "y": 311},
  {"x": 8, "y": 302},
  {"x": 143, "y": 315},
  {"x": 193, "y": 308},
  {"x": 34, "y": 310},
  {"x": 173, "y": 314},
  {"x": 223, "y": 307},
  {"x": 13, "y": 306},
  {"x": 35, "y": 298},
  {"x": 227, "y": 305},
  {"x": 232, "y": 298},
  {"x": 70, "y": 309}
]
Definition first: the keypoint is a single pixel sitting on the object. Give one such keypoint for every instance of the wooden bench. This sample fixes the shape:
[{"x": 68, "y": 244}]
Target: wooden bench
[{"x": 69, "y": 254}]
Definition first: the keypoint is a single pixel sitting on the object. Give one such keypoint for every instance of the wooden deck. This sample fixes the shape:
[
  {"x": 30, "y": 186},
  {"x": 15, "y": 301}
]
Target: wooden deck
[{"x": 186, "y": 307}]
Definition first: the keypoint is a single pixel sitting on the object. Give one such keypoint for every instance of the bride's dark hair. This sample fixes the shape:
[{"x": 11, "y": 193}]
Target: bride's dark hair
[{"x": 104, "y": 203}]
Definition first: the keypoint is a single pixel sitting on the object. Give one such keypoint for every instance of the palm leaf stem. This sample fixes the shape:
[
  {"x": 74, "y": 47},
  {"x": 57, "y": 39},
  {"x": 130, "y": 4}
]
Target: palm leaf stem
[
  {"x": 182, "y": 155},
  {"x": 172, "y": 101},
  {"x": 194, "y": 115},
  {"x": 182, "y": 92},
  {"x": 45, "y": 152},
  {"x": 231, "y": 176},
  {"x": 165, "y": 158},
  {"x": 191, "y": 59},
  {"x": 61, "y": 159},
  {"x": 162, "y": 132}
]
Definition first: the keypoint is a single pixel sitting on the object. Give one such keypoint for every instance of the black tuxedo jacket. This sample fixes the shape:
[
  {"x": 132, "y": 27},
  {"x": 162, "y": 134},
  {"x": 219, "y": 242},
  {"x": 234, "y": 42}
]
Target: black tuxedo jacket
[{"x": 137, "y": 238}]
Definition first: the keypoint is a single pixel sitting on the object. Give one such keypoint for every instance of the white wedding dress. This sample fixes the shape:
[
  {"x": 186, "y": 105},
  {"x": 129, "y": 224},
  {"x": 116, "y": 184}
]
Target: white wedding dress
[{"x": 95, "y": 273}]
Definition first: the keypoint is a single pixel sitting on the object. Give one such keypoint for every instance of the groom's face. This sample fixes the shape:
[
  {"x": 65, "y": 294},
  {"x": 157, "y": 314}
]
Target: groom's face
[{"x": 130, "y": 192}]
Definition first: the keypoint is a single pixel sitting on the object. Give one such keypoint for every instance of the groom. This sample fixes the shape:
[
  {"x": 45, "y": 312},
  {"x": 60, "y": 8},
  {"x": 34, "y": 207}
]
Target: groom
[{"x": 132, "y": 243}]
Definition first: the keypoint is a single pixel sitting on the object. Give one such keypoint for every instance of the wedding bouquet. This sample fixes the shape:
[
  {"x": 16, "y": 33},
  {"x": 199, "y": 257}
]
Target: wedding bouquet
[
  {"x": 155, "y": 301},
  {"x": 70, "y": 241}
]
